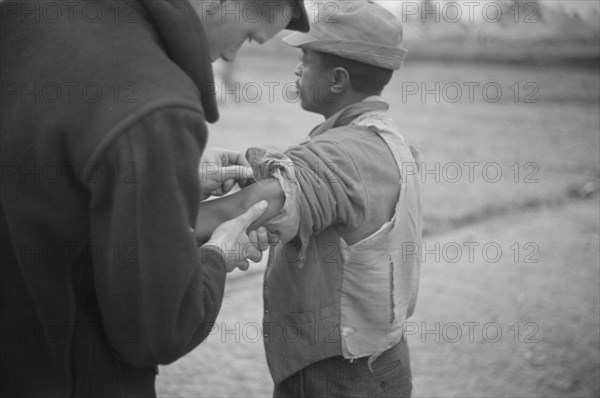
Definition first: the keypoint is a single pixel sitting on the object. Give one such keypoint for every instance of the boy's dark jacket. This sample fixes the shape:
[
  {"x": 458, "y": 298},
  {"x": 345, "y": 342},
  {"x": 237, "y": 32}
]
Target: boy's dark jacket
[{"x": 103, "y": 123}]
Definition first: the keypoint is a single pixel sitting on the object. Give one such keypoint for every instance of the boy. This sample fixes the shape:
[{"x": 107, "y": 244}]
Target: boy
[{"x": 338, "y": 289}]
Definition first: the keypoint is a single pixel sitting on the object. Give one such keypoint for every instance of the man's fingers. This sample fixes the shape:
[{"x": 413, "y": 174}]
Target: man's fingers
[
  {"x": 253, "y": 254},
  {"x": 253, "y": 236},
  {"x": 211, "y": 157},
  {"x": 228, "y": 158},
  {"x": 238, "y": 158},
  {"x": 262, "y": 238},
  {"x": 236, "y": 173},
  {"x": 244, "y": 266},
  {"x": 252, "y": 214},
  {"x": 220, "y": 157},
  {"x": 273, "y": 238},
  {"x": 228, "y": 185},
  {"x": 217, "y": 192},
  {"x": 223, "y": 189}
]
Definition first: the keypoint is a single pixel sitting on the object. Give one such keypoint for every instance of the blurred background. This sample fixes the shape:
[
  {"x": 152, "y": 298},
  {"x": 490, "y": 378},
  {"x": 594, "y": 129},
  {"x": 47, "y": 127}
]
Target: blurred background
[{"x": 503, "y": 100}]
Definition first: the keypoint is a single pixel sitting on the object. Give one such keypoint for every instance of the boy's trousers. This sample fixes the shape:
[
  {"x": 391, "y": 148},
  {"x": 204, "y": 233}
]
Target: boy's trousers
[{"x": 339, "y": 377}]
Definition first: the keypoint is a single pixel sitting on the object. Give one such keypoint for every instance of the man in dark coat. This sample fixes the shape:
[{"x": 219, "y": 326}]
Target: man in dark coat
[{"x": 103, "y": 118}]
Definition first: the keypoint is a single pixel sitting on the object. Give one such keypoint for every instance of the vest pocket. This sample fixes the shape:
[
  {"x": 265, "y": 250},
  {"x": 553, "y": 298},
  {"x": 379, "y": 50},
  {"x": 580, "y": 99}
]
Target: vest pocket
[
  {"x": 315, "y": 326},
  {"x": 367, "y": 292}
]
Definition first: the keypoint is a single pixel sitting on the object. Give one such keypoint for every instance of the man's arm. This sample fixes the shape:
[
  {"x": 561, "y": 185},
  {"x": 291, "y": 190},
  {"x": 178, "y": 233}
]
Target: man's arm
[
  {"x": 151, "y": 278},
  {"x": 213, "y": 213}
]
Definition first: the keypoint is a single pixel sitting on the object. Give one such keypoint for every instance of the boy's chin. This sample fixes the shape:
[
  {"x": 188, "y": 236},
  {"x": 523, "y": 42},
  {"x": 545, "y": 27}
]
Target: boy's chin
[{"x": 310, "y": 106}]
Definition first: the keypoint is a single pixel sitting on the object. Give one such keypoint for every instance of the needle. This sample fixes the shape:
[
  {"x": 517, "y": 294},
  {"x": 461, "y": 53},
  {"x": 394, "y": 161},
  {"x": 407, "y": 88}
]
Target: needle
[{"x": 258, "y": 182}]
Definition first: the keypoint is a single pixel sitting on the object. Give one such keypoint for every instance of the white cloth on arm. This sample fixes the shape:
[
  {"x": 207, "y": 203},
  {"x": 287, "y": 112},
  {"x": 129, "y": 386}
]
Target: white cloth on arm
[{"x": 272, "y": 164}]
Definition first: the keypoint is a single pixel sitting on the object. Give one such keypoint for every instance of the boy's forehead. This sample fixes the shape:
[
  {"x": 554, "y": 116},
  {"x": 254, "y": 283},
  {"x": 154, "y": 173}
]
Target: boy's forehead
[
  {"x": 309, "y": 53},
  {"x": 310, "y": 56}
]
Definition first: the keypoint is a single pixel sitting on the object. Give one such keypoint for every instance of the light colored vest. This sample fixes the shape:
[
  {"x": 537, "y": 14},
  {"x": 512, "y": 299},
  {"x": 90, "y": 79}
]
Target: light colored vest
[
  {"x": 380, "y": 281},
  {"x": 340, "y": 300}
]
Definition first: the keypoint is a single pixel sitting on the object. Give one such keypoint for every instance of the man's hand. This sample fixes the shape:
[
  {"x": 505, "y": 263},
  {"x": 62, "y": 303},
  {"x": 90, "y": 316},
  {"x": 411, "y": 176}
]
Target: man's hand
[
  {"x": 237, "y": 246},
  {"x": 220, "y": 170}
]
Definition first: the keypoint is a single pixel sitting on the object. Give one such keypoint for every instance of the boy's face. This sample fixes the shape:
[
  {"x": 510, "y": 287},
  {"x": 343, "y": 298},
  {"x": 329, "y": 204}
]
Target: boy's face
[{"x": 314, "y": 83}]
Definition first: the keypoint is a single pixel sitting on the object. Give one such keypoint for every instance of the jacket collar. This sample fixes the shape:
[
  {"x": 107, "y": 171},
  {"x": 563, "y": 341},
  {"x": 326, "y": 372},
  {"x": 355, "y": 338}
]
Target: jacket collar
[
  {"x": 349, "y": 113},
  {"x": 183, "y": 36}
]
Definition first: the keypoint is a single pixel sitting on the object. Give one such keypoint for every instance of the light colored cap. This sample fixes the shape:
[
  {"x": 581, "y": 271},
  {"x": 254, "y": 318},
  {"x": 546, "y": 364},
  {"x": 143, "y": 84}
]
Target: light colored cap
[{"x": 359, "y": 30}]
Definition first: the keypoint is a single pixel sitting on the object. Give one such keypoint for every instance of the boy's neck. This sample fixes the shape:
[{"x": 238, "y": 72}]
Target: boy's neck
[{"x": 343, "y": 101}]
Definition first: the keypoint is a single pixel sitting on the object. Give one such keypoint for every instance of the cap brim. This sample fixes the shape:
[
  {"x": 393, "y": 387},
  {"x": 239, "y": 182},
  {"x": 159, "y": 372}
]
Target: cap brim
[
  {"x": 383, "y": 56},
  {"x": 299, "y": 39},
  {"x": 299, "y": 22}
]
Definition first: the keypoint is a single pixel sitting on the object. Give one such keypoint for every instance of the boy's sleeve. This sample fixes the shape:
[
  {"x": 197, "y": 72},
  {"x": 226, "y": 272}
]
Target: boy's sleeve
[
  {"x": 152, "y": 277},
  {"x": 271, "y": 164},
  {"x": 327, "y": 188}
]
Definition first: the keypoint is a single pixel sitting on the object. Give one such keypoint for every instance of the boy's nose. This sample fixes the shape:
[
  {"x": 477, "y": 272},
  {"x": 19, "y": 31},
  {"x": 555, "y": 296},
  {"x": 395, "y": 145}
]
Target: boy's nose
[{"x": 298, "y": 70}]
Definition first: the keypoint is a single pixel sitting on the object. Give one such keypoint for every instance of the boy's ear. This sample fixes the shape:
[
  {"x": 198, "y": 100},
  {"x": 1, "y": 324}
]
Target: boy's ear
[{"x": 340, "y": 80}]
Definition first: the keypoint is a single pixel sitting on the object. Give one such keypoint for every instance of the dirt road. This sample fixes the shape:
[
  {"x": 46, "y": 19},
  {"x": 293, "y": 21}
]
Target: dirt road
[{"x": 518, "y": 315}]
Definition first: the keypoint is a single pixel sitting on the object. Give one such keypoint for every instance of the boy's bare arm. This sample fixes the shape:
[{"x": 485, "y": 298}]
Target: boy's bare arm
[{"x": 213, "y": 213}]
